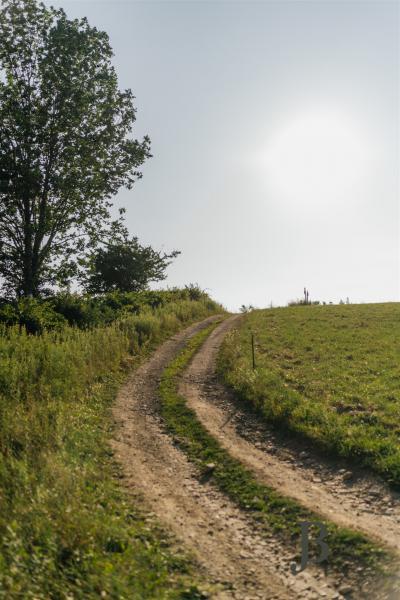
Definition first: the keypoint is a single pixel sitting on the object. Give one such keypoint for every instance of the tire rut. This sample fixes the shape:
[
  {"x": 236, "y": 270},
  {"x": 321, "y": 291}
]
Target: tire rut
[
  {"x": 231, "y": 555},
  {"x": 352, "y": 498}
]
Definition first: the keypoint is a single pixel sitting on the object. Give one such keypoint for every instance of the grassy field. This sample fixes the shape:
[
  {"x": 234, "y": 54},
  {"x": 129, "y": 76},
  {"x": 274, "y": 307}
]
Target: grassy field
[
  {"x": 66, "y": 529},
  {"x": 272, "y": 511},
  {"x": 328, "y": 373}
]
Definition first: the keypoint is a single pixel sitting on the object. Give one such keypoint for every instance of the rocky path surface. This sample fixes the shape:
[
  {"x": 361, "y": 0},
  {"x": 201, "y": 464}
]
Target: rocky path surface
[
  {"x": 228, "y": 550},
  {"x": 233, "y": 556},
  {"x": 352, "y": 498}
]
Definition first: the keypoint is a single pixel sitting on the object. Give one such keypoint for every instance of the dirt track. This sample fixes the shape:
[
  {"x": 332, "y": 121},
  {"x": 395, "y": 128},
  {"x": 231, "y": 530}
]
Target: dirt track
[
  {"x": 200, "y": 517},
  {"x": 351, "y": 499},
  {"x": 240, "y": 563}
]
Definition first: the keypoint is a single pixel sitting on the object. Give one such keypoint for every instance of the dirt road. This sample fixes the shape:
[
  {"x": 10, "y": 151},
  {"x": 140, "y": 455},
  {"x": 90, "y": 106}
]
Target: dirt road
[
  {"x": 232, "y": 555},
  {"x": 201, "y": 517},
  {"x": 350, "y": 498}
]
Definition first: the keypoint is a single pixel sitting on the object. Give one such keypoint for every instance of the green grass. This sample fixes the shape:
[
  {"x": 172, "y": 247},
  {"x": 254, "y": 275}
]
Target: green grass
[
  {"x": 330, "y": 374},
  {"x": 67, "y": 531},
  {"x": 274, "y": 513}
]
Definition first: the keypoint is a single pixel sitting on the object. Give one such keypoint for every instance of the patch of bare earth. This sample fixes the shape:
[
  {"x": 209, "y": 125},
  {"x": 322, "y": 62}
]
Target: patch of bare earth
[
  {"x": 351, "y": 498},
  {"x": 232, "y": 557}
]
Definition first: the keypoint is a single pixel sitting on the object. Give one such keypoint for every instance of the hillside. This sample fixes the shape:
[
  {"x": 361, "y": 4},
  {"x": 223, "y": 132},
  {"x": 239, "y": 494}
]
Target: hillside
[
  {"x": 328, "y": 373},
  {"x": 129, "y": 471}
]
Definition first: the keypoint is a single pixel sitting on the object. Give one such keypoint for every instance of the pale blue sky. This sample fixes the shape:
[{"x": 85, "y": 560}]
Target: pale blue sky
[{"x": 275, "y": 135}]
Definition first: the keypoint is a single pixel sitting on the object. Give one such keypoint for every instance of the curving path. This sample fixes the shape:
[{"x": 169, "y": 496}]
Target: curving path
[
  {"x": 237, "y": 562},
  {"x": 354, "y": 499},
  {"x": 200, "y": 517}
]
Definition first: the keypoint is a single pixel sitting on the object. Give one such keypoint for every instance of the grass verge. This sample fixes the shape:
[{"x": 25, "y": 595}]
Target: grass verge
[
  {"x": 67, "y": 531},
  {"x": 273, "y": 512}
]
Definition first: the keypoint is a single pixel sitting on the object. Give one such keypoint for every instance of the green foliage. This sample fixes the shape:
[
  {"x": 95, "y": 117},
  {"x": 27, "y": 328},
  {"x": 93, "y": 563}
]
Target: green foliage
[
  {"x": 330, "y": 374},
  {"x": 66, "y": 529},
  {"x": 33, "y": 315},
  {"x": 246, "y": 309},
  {"x": 125, "y": 266},
  {"x": 65, "y": 146},
  {"x": 273, "y": 512},
  {"x": 92, "y": 311}
]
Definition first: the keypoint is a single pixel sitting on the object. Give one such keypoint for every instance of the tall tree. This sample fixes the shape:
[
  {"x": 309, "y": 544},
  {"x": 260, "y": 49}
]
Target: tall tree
[{"x": 65, "y": 148}]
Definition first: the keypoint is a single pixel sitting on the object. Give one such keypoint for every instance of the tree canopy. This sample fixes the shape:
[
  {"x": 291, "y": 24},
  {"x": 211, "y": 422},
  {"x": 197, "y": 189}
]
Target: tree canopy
[
  {"x": 65, "y": 145},
  {"x": 126, "y": 266}
]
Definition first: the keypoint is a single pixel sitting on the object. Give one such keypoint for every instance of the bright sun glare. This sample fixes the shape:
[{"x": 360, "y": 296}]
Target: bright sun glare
[{"x": 318, "y": 156}]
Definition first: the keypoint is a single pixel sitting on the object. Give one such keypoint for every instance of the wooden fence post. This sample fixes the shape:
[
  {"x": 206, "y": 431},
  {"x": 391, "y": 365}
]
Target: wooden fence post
[{"x": 252, "y": 350}]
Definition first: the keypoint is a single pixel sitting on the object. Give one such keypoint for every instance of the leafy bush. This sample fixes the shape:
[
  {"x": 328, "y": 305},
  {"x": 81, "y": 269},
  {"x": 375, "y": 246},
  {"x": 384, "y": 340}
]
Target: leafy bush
[
  {"x": 84, "y": 311},
  {"x": 35, "y": 316}
]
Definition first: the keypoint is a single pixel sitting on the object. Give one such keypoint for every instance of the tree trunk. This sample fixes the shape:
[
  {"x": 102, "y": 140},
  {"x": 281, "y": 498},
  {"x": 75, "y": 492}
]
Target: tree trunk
[{"x": 29, "y": 286}]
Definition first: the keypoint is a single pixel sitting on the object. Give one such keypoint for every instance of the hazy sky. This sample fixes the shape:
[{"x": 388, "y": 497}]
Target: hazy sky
[{"x": 275, "y": 135}]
